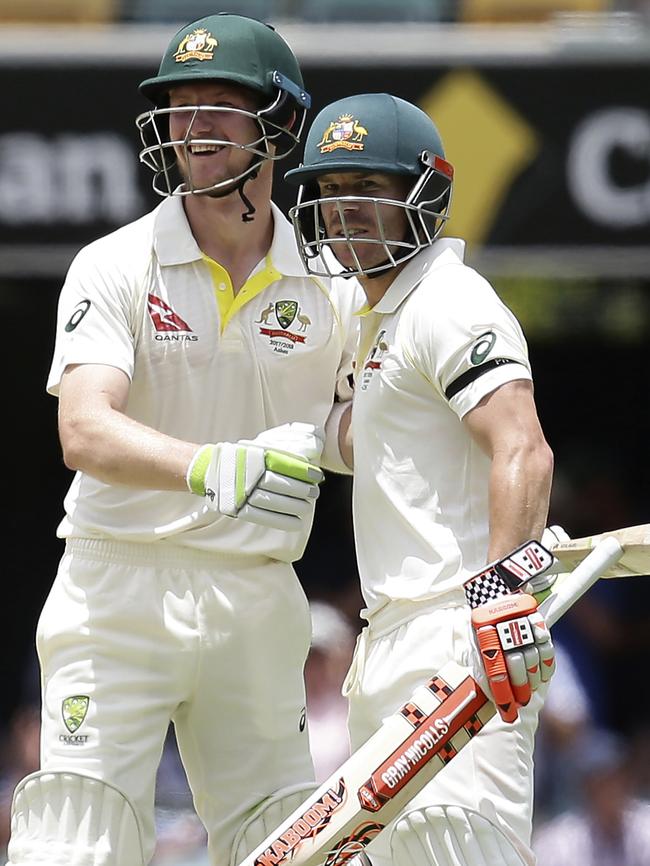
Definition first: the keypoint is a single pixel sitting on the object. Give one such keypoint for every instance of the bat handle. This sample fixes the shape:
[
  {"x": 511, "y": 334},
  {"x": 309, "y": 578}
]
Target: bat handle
[{"x": 605, "y": 554}]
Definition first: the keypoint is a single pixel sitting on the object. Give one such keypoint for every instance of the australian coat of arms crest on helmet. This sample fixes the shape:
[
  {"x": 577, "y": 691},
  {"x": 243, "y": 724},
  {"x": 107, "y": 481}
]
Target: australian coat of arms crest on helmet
[
  {"x": 197, "y": 45},
  {"x": 345, "y": 132}
]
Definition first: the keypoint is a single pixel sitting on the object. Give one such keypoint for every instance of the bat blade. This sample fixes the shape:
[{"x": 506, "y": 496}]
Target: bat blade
[
  {"x": 412, "y": 745},
  {"x": 350, "y": 808},
  {"x": 635, "y": 541}
]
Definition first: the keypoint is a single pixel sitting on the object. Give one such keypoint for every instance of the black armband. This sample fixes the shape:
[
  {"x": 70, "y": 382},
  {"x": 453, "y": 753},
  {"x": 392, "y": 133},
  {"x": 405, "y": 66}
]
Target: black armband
[{"x": 470, "y": 376}]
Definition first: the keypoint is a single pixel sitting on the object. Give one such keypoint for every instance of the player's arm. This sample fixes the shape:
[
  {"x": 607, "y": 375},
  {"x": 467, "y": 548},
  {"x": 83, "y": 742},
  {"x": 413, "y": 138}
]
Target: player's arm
[
  {"x": 512, "y": 637},
  {"x": 506, "y": 427},
  {"x": 269, "y": 480},
  {"x": 338, "y": 454},
  {"x": 345, "y": 436},
  {"x": 98, "y": 438}
]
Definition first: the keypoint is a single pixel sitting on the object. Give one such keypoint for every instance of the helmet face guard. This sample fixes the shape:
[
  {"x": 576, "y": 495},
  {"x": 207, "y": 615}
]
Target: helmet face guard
[
  {"x": 280, "y": 125},
  {"x": 425, "y": 209}
]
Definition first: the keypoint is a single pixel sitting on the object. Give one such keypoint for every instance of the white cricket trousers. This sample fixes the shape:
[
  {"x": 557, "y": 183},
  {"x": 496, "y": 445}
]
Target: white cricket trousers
[
  {"x": 153, "y": 633},
  {"x": 401, "y": 648}
]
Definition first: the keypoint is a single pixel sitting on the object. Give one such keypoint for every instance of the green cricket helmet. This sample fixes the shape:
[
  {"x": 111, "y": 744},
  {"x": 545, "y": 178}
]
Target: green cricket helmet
[
  {"x": 238, "y": 50},
  {"x": 371, "y": 133}
]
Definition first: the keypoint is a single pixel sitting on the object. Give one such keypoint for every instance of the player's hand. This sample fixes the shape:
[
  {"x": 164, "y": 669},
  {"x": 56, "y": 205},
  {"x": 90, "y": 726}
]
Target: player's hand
[
  {"x": 261, "y": 485},
  {"x": 553, "y": 535},
  {"x": 297, "y": 438},
  {"x": 516, "y": 650},
  {"x": 541, "y": 584}
]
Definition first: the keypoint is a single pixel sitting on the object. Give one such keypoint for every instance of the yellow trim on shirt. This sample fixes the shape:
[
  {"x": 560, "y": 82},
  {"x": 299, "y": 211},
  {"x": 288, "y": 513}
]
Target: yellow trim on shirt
[
  {"x": 227, "y": 301},
  {"x": 223, "y": 290}
]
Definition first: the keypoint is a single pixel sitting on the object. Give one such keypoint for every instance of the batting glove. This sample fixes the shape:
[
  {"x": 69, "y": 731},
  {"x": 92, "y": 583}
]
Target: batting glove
[
  {"x": 516, "y": 650},
  {"x": 262, "y": 485},
  {"x": 297, "y": 438},
  {"x": 540, "y": 585}
]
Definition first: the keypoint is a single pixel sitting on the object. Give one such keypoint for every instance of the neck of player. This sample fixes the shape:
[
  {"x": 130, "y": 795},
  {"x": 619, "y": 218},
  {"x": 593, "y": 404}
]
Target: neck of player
[
  {"x": 220, "y": 232},
  {"x": 376, "y": 287}
]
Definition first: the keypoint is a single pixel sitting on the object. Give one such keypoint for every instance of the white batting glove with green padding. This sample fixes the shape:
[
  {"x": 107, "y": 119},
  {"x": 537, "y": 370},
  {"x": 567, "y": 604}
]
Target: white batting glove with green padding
[
  {"x": 297, "y": 438},
  {"x": 261, "y": 484}
]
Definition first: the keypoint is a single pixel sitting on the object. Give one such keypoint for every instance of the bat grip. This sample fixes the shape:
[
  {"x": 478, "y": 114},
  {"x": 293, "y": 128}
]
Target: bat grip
[{"x": 605, "y": 554}]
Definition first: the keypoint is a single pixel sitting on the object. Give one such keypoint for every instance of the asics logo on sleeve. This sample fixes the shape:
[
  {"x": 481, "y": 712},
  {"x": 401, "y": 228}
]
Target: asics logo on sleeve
[
  {"x": 79, "y": 312},
  {"x": 483, "y": 347}
]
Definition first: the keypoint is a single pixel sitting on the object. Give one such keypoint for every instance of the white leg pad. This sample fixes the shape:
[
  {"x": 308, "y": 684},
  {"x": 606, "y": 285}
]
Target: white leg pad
[
  {"x": 264, "y": 819},
  {"x": 450, "y": 836},
  {"x": 67, "y": 819}
]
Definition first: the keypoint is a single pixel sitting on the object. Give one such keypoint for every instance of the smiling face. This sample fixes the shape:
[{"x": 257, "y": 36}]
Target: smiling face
[
  {"x": 350, "y": 210},
  {"x": 210, "y": 124}
]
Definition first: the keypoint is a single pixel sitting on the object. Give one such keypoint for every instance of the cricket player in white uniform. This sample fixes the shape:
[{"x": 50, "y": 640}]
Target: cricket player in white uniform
[
  {"x": 196, "y": 363},
  {"x": 451, "y": 468}
]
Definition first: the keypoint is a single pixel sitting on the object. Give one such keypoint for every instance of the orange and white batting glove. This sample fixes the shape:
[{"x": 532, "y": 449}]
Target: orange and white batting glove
[
  {"x": 516, "y": 649},
  {"x": 512, "y": 638}
]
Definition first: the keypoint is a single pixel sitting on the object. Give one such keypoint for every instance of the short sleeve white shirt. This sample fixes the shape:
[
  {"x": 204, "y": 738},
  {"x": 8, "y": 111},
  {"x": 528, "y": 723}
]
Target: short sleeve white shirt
[
  {"x": 438, "y": 341},
  {"x": 143, "y": 300}
]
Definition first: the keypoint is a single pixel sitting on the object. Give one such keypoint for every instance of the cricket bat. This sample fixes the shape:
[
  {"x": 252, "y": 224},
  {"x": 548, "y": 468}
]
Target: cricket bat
[
  {"x": 635, "y": 541},
  {"x": 412, "y": 745}
]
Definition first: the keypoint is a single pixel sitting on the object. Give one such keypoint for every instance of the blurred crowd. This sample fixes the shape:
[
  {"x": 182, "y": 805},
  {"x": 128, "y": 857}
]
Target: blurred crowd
[{"x": 316, "y": 11}]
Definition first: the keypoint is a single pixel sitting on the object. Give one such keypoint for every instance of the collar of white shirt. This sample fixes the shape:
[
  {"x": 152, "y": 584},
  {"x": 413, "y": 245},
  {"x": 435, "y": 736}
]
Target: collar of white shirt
[
  {"x": 175, "y": 244},
  {"x": 444, "y": 251}
]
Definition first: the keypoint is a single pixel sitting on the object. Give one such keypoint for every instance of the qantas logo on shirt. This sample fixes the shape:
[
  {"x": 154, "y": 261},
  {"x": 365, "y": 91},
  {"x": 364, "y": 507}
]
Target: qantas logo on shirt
[{"x": 168, "y": 324}]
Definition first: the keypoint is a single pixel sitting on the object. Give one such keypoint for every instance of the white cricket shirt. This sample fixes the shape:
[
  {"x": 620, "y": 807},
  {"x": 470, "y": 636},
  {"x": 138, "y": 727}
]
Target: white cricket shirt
[
  {"x": 205, "y": 365},
  {"x": 436, "y": 343}
]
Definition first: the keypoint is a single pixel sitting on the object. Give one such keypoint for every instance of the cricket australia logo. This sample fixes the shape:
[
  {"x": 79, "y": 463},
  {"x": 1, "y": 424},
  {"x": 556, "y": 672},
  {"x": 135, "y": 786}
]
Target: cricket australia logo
[
  {"x": 168, "y": 324},
  {"x": 374, "y": 359},
  {"x": 197, "y": 45},
  {"x": 285, "y": 312},
  {"x": 346, "y": 132},
  {"x": 293, "y": 324},
  {"x": 74, "y": 710}
]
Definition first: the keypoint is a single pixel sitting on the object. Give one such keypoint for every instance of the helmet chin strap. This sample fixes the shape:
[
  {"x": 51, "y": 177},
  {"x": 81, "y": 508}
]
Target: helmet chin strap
[
  {"x": 347, "y": 275},
  {"x": 249, "y": 214},
  {"x": 388, "y": 265}
]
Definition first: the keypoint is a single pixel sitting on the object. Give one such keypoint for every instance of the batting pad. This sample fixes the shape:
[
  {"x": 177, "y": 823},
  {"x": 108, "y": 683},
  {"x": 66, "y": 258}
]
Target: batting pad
[
  {"x": 266, "y": 817},
  {"x": 450, "y": 836},
  {"x": 66, "y": 819}
]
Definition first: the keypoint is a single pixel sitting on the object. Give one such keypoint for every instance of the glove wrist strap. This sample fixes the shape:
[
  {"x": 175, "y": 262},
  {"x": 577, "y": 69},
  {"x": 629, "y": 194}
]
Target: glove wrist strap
[{"x": 507, "y": 575}]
